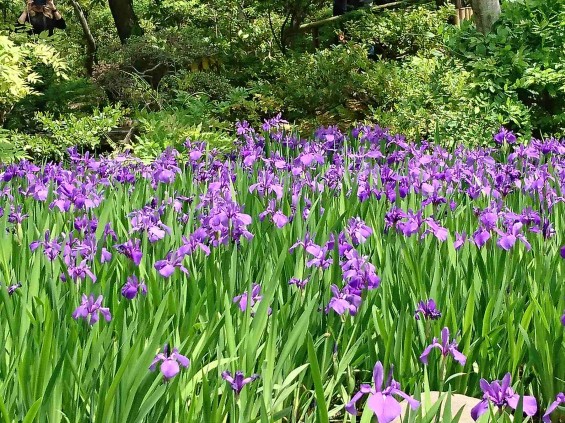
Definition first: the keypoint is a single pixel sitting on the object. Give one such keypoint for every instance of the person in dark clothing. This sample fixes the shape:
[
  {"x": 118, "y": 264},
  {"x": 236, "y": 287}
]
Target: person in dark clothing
[
  {"x": 340, "y": 7},
  {"x": 343, "y": 6},
  {"x": 43, "y": 16}
]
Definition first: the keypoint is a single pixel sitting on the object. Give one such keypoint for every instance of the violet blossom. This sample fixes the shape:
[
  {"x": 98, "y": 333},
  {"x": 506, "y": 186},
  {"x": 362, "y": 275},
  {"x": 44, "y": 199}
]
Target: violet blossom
[
  {"x": 170, "y": 362},
  {"x": 131, "y": 249},
  {"x": 51, "y": 247},
  {"x": 238, "y": 380},
  {"x": 344, "y": 300},
  {"x": 245, "y": 301},
  {"x": 501, "y": 395},
  {"x": 167, "y": 266},
  {"x": 299, "y": 283},
  {"x": 446, "y": 348},
  {"x": 381, "y": 401},
  {"x": 428, "y": 310},
  {"x": 79, "y": 272},
  {"x": 504, "y": 135},
  {"x": 91, "y": 310},
  {"x": 12, "y": 288},
  {"x": 358, "y": 231},
  {"x": 132, "y": 287},
  {"x": 559, "y": 399}
]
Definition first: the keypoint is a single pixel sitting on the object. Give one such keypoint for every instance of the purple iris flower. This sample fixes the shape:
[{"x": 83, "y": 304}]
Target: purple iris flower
[
  {"x": 246, "y": 301},
  {"x": 460, "y": 239},
  {"x": 79, "y": 272},
  {"x": 412, "y": 224},
  {"x": 381, "y": 401},
  {"x": 501, "y": 395},
  {"x": 428, "y": 310},
  {"x": 238, "y": 381},
  {"x": 279, "y": 219},
  {"x": 194, "y": 241},
  {"x": 359, "y": 273},
  {"x": 504, "y": 135},
  {"x": 559, "y": 399},
  {"x": 481, "y": 236},
  {"x": 109, "y": 232},
  {"x": 105, "y": 255},
  {"x": 507, "y": 240},
  {"x": 300, "y": 283},
  {"x": 319, "y": 259},
  {"x": 16, "y": 216},
  {"x": 562, "y": 252},
  {"x": 132, "y": 287},
  {"x": 170, "y": 363},
  {"x": 345, "y": 300},
  {"x": 307, "y": 242},
  {"x": 13, "y": 288},
  {"x": 84, "y": 224},
  {"x": 131, "y": 249},
  {"x": 91, "y": 310},
  {"x": 167, "y": 266},
  {"x": 51, "y": 248},
  {"x": 563, "y": 319},
  {"x": 267, "y": 182},
  {"x": 358, "y": 231},
  {"x": 434, "y": 228},
  {"x": 446, "y": 348}
]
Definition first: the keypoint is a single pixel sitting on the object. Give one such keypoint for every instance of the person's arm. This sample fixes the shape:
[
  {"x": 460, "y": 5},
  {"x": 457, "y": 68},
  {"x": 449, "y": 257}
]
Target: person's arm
[
  {"x": 23, "y": 17},
  {"x": 56, "y": 14}
]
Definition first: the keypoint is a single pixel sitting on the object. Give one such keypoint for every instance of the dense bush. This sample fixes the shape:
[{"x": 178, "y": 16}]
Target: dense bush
[
  {"x": 19, "y": 70},
  {"x": 520, "y": 65},
  {"x": 334, "y": 87},
  {"x": 67, "y": 130},
  {"x": 398, "y": 34},
  {"x": 133, "y": 74},
  {"x": 157, "y": 130},
  {"x": 407, "y": 69}
]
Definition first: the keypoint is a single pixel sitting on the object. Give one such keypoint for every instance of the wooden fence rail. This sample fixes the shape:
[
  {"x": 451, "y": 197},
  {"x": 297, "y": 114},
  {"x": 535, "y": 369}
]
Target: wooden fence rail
[{"x": 462, "y": 13}]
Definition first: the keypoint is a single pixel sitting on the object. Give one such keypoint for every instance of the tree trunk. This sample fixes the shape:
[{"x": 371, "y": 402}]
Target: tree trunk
[
  {"x": 486, "y": 13},
  {"x": 125, "y": 19},
  {"x": 90, "y": 42}
]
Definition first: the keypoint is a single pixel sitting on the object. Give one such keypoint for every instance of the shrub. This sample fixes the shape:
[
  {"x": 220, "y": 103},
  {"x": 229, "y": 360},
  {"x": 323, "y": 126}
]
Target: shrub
[
  {"x": 520, "y": 63},
  {"x": 397, "y": 34},
  {"x": 19, "y": 63},
  {"x": 132, "y": 74},
  {"x": 85, "y": 132},
  {"x": 158, "y": 130},
  {"x": 326, "y": 82},
  {"x": 431, "y": 97}
]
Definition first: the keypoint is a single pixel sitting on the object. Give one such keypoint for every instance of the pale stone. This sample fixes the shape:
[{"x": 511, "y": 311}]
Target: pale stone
[{"x": 457, "y": 402}]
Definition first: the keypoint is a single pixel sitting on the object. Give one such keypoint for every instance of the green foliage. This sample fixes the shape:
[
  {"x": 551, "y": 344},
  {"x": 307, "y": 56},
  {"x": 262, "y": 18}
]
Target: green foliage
[
  {"x": 210, "y": 84},
  {"x": 18, "y": 70},
  {"x": 398, "y": 34},
  {"x": 520, "y": 64},
  {"x": 158, "y": 130},
  {"x": 58, "y": 97},
  {"x": 10, "y": 146},
  {"x": 333, "y": 86},
  {"x": 132, "y": 74},
  {"x": 227, "y": 60},
  {"x": 86, "y": 132},
  {"x": 432, "y": 97}
]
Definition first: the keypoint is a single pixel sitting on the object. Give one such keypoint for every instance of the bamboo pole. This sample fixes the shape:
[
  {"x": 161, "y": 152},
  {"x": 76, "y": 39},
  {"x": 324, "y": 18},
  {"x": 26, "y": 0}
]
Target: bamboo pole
[
  {"x": 309, "y": 26},
  {"x": 468, "y": 13},
  {"x": 316, "y": 37}
]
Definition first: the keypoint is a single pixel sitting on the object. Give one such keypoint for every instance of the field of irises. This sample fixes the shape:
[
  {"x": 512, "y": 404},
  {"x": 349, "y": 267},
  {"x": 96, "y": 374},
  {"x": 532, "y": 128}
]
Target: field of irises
[{"x": 282, "y": 282}]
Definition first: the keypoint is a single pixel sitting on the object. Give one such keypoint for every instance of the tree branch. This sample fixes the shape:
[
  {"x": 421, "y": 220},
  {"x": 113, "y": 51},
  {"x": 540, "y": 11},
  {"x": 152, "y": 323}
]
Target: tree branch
[{"x": 90, "y": 42}]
